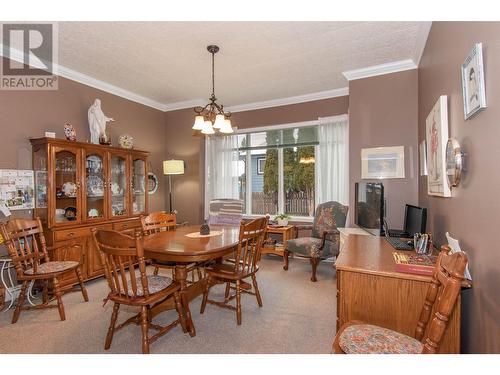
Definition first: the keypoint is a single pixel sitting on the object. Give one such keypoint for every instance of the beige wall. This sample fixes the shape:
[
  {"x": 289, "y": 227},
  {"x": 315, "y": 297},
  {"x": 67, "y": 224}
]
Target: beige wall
[
  {"x": 473, "y": 213},
  {"x": 182, "y": 143},
  {"x": 383, "y": 112},
  {"x": 26, "y": 114}
]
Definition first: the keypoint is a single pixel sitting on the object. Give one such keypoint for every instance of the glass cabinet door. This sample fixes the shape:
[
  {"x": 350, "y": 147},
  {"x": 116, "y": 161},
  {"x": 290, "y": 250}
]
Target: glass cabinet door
[
  {"x": 67, "y": 185},
  {"x": 118, "y": 186},
  {"x": 95, "y": 184},
  {"x": 138, "y": 186},
  {"x": 40, "y": 167}
]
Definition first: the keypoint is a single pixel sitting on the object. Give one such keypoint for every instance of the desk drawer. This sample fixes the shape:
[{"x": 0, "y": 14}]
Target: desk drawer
[
  {"x": 127, "y": 226},
  {"x": 69, "y": 234}
]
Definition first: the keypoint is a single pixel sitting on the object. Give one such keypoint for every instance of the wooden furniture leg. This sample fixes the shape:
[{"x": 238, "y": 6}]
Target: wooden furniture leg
[
  {"x": 205, "y": 295},
  {"x": 20, "y": 301},
  {"x": 226, "y": 293},
  {"x": 256, "y": 288},
  {"x": 58, "y": 295},
  {"x": 314, "y": 264},
  {"x": 80, "y": 281},
  {"x": 286, "y": 253},
  {"x": 111, "y": 329},
  {"x": 144, "y": 329},
  {"x": 181, "y": 278},
  {"x": 238, "y": 302},
  {"x": 180, "y": 311}
]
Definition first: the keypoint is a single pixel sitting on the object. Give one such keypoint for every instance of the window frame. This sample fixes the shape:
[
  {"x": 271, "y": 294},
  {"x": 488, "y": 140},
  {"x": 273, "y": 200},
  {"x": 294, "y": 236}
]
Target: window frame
[{"x": 281, "y": 194}]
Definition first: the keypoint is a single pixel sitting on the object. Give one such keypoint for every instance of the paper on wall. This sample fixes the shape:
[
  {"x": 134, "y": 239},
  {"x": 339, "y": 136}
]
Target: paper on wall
[{"x": 455, "y": 248}]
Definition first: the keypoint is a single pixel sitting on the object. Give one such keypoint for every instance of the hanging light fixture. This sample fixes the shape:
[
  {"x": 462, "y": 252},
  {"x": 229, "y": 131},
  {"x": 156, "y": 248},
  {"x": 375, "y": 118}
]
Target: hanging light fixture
[{"x": 212, "y": 116}]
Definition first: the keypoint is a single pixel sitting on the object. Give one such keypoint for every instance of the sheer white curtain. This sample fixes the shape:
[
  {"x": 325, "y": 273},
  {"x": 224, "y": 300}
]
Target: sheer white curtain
[
  {"x": 332, "y": 160},
  {"x": 221, "y": 174}
]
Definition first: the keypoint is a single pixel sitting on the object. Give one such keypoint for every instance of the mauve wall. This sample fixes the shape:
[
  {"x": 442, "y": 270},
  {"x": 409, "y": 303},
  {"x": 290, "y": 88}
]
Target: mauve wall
[
  {"x": 26, "y": 114},
  {"x": 182, "y": 143},
  {"x": 473, "y": 213},
  {"x": 383, "y": 112}
]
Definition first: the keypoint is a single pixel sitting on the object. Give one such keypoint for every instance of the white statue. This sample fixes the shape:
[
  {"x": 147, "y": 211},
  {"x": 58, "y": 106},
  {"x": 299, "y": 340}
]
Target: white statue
[{"x": 97, "y": 121}]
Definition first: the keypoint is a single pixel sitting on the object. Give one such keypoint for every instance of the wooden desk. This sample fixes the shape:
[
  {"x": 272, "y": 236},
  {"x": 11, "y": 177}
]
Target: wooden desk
[
  {"x": 286, "y": 233},
  {"x": 368, "y": 289},
  {"x": 174, "y": 246}
]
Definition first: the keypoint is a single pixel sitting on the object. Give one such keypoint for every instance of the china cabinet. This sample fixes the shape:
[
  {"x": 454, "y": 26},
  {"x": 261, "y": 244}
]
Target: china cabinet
[{"x": 80, "y": 186}]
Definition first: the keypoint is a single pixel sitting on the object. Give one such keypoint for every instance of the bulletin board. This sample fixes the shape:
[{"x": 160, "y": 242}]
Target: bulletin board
[{"x": 16, "y": 189}]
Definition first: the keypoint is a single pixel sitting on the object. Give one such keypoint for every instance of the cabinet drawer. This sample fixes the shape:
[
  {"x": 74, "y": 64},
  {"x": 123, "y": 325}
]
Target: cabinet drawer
[
  {"x": 69, "y": 234},
  {"x": 126, "y": 226}
]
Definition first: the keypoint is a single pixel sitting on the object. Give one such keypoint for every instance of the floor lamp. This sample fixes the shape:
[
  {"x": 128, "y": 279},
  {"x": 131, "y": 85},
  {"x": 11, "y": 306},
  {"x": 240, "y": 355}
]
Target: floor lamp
[{"x": 171, "y": 167}]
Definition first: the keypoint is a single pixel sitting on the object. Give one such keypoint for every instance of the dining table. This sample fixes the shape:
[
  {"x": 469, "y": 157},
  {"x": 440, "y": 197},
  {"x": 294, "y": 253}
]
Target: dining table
[{"x": 185, "y": 246}]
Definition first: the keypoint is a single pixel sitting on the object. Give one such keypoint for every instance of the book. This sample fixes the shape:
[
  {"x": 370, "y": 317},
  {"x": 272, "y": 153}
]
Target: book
[{"x": 418, "y": 264}]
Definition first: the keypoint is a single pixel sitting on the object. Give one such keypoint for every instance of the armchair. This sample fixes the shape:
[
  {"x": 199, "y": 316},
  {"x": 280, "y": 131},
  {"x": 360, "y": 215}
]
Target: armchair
[{"x": 325, "y": 238}]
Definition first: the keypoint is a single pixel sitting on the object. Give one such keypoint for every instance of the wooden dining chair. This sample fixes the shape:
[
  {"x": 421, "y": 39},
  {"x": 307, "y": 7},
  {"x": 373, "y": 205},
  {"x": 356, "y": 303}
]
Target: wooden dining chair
[
  {"x": 360, "y": 338},
  {"x": 120, "y": 254},
  {"x": 245, "y": 265},
  {"x": 160, "y": 221},
  {"x": 27, "y": 248}
]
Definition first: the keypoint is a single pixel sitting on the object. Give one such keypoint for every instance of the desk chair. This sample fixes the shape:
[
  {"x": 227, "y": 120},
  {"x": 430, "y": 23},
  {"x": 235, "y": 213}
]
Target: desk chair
[{"x": 360, "y": 338}]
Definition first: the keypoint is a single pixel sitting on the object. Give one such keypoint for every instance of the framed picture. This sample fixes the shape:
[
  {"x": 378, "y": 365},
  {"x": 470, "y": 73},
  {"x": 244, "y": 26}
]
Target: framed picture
[
  {"x": 261, "y": 162},
  {"x": 423, "y": 158},
  {"x": 473, "y": 90},
  {"x": 383, "y": 162},
  {"x": 436, "y": 135}
]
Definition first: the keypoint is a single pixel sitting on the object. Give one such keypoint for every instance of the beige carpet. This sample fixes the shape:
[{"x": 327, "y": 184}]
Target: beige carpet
[{"x": 298, "y": 317}]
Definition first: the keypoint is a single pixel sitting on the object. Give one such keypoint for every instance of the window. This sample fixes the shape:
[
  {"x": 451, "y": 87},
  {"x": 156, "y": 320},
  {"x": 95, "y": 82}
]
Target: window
[
  {"x": 280, "y": 166},
  {"x": 281, "y": 169}
]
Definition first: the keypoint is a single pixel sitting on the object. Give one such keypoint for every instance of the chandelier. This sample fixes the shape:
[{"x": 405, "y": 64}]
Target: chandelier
[{"x": 212, "y": 116}]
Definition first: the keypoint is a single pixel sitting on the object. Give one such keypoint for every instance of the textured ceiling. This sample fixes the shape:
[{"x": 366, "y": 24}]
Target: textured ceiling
[{"x": 168, "y": 62}]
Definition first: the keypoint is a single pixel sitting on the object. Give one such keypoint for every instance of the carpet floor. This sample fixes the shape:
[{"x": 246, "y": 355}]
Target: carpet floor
[{"x": 298, "y": 316}]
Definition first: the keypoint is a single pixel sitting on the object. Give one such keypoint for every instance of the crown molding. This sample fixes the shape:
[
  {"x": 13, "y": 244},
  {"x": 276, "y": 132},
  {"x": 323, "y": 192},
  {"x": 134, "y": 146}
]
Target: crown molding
[
  {"x": 344, "y": 91},
  {"x": 73, "y": 75},
  {"x": 377, "y": 70},
  {"x": 422, "y": 36},
  {"x": 184, "y": 104}
]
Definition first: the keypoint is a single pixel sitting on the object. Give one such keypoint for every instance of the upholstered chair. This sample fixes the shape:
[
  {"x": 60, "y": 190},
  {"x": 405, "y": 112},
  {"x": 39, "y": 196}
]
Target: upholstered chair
[{"x": 324, "y": 241}]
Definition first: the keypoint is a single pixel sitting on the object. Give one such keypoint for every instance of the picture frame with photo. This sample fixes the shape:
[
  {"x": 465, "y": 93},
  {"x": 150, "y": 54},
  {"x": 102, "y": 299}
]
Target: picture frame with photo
[
  {"x": 436, "y": 133},
  {"x": 473, "y": 89},
  {"x": 383, "y": 162}
]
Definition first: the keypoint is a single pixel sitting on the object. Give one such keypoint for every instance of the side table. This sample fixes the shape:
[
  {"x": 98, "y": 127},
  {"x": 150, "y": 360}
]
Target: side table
[
  {"x": 286, "y": 233},
  {"x": 11, "y": 288}
]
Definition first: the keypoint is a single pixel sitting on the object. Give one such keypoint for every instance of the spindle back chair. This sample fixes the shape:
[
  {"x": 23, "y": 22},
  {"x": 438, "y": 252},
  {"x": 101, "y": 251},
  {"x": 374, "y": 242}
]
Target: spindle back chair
[
  {"x": 125, "y": 268},
  {"x": 245, "y": 264},
  {"x": 27, "y": 248}
]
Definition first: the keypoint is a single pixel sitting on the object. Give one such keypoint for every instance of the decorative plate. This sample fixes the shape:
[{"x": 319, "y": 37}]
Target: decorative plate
[
  {"x": 70, "y": 213},
  {"x": 115, "y": 188},
  {"x": 94, "y": 164},
  {"x": 95, "y": 186},
  {"x": 69, "y": 189},
  {"x": 69, "y": 132},
  {"x": 93, "y": 213},
  {"x": 126, "y": 141},
  {"x": 152, "y": 183}
]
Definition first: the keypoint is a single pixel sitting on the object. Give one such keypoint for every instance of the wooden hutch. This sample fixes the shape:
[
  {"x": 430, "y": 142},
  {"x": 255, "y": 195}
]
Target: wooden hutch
[{"x": 80, "y": 186}]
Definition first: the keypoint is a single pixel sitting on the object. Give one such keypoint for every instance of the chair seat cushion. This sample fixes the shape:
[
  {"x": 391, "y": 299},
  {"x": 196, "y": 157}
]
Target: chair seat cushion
[
  {"x": 52, "y": 267},
  {"x": 310, "y": 247},
  {"x": 370, "y": 339},
  {"x": 156, "y": 284}
]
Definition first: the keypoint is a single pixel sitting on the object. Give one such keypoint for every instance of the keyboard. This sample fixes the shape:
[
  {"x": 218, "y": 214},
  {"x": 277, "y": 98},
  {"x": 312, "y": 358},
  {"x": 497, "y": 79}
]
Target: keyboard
[{"x": 398, "y": 244}]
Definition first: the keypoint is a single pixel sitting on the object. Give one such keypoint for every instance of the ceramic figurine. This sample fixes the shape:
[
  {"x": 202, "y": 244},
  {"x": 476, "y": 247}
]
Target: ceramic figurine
[
  {"x": 97, "y": 122},
  {"x": 69, "y": 132}
]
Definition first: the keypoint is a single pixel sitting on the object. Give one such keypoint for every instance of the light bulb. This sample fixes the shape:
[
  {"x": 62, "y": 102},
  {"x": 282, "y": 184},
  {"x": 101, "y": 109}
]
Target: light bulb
[
  {"x": 226, "y": 128},
  {"x": 207, "y": 128},
  {"x": 198, "y": 123},
  {"x": 219, "y": 121}
]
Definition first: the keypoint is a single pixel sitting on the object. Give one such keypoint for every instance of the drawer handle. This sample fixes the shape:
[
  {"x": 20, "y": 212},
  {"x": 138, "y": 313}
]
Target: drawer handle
[
  {"x": 125, "y": 226},
  {"x": 71, "y": 234}
]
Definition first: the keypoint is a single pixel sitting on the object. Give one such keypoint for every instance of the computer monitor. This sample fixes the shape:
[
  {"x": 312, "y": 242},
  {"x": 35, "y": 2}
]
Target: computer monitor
[{"x": 415, "y": 220}]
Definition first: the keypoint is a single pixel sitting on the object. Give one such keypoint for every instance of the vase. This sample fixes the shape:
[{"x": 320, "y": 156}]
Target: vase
[{"x": 204, "y": 229}]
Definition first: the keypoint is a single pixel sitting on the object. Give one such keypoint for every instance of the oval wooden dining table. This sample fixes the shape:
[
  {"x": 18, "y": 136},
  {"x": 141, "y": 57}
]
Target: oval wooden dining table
[{"x": 176, "y": 246}]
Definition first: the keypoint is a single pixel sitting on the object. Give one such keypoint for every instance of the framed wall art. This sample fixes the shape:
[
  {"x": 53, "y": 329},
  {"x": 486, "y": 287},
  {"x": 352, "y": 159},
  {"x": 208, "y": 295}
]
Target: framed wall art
[
  {"x": 436, "y": 134},
  {"x": 473, "y": 90},
  {"x": 383, "y": 162}
]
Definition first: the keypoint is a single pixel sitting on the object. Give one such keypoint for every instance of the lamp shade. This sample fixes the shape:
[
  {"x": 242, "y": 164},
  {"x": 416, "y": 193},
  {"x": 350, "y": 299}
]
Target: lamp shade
[
  {"x": 226, "y": 127},
  {"x": 219, "y": 121},
  {"x": 173, "y": 167},
  {"x": 207, "y": 128},
  {"x": 198, "y": 123}
]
